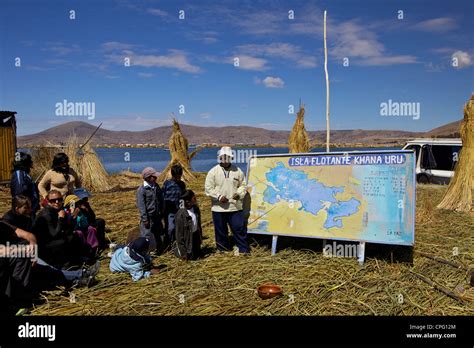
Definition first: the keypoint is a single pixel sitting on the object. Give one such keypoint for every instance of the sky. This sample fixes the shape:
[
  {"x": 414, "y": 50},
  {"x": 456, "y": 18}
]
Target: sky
[{"x": 182, "y": 59}]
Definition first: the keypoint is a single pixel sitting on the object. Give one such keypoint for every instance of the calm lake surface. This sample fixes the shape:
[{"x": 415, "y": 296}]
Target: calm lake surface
[{"x": 119, "y": 159}]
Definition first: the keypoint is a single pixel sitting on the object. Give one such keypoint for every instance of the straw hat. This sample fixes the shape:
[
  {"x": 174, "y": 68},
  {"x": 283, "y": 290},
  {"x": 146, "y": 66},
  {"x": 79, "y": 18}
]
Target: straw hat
[{"x": 71, "y": 198}]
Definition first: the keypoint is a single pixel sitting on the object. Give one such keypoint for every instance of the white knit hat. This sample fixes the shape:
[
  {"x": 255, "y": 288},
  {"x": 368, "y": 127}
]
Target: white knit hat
[{"x": 225, "y": 150}]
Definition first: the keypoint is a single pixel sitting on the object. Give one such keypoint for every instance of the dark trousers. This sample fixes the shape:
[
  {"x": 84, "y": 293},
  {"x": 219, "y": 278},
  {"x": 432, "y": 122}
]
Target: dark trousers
[
  {"x": 21, "y": 282},
  {"x": 158, "y": 237},
  {"x": 99, "y": 224},
  {"x": 235, "y": 219}
]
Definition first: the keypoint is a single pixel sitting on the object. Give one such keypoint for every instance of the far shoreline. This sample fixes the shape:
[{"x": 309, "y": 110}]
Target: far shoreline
[{"x": 192, "y": 146}]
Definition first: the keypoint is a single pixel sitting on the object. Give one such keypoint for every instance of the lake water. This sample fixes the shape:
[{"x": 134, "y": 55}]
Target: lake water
[{"x": 135, "y": 159}]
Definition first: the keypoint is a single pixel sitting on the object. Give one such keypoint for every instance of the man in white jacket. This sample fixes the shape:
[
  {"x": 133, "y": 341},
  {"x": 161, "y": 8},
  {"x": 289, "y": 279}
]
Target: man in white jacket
[{"x": 225, "y": 184}]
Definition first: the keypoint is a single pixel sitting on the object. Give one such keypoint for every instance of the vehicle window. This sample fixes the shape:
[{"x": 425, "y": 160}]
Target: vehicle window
[
  {"x": 427, "y": 159},
  {"x": 445, "y": 156},
  {"x": 417, "y": 149},
  {"x": 456, "y": 151}
]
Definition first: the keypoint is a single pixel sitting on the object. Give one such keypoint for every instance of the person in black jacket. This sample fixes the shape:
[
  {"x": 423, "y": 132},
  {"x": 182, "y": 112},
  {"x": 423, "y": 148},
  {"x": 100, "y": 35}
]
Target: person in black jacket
[
  {"x": 21, "y": 182},
  {"x": 150, "y": 204},
  {"x": 23, "y": 276},
  {"x": 188, "y": 231},
  {"x": 57, "y": 244},
  {"x": 20, "y": 213}
]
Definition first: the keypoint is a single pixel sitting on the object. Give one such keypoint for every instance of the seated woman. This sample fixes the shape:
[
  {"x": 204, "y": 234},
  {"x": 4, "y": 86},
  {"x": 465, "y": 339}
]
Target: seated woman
[
  {"x": 60, "y": 177},
  {"x": 57, "y": 244},
  {"x": 20, "y": 213}
]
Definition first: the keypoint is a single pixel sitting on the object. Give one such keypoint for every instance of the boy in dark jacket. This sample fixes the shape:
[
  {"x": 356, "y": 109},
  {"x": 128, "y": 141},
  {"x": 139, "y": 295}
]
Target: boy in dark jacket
[
  {"x": 150, "y": 204},
  {"x": 188, "y": 234},
  {"x": 172, "y": 191}
]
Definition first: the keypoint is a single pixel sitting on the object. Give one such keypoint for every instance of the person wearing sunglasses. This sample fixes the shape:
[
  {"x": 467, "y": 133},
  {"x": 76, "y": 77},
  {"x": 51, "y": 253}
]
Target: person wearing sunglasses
[{"x": 57, "y": 244}]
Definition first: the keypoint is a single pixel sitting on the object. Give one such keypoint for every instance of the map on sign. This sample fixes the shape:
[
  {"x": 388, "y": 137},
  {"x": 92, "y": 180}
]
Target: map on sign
[{"x": 361, "y": 196}]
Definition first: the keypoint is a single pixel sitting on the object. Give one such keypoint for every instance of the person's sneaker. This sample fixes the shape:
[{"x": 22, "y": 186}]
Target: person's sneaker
[
  {"x": 84, "y": 281},
  {"x": 22, "y": 311},
  {"x": 92, "y": 270}
]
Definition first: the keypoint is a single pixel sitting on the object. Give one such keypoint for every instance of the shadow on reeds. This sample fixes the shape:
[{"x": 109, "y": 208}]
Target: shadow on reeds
[
  {"x": 120, "y": 189},
  {"x": 385, "y": 252}
]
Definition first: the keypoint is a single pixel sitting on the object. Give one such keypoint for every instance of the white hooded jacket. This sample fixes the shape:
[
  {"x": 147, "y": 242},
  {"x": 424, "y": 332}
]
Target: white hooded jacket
[{"x": 221, "y": 182}]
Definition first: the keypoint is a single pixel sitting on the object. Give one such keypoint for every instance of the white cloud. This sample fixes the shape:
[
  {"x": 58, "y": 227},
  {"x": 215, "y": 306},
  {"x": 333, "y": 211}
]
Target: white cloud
[
  {"x": 209, "y": 40},
  {"x": 175, "y": 59},
  {"x": 114, "y": 45},
  {"x": 247, "y": 62},
  {"x": 205, "y": 115},
  {"x": 388, "y": 60},
  {"x": 270, "y": 82},
  {"x": 61, "y": 49},
  {"x": 132, "y": 123},
  {"x": 463, "y": 59},
  {"x": 354, "y": 40},
  {"x": 286, "y": 51},
  {"x": 145, "y": 75},
  {"x": 436, "y": 25},
  {"x": 157, "y": 12}
]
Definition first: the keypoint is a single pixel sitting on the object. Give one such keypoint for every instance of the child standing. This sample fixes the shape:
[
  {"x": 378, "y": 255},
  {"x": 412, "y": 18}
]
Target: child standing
[
  {"x": 187, "y": 245},
  {"x": 150, "y": 204},
  {"x": 133, "y": 258},
  {"x": 172, "y": 191}
]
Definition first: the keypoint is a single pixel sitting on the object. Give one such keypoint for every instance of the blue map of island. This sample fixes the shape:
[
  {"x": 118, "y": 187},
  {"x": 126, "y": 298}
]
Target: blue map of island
[{"x": 294, "y": 185}]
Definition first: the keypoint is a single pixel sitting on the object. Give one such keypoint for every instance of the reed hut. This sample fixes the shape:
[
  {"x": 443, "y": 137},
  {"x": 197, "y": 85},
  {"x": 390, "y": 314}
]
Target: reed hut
[
  {"x": 298, "y": 141},
  {"x": 178, "y": 146},
  {"x": 7, "y": 144},
  {"x": 459, "y": 195}
]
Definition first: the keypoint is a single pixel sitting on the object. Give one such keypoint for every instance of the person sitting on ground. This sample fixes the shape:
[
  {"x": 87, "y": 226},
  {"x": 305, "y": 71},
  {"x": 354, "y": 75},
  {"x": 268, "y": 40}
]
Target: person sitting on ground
[
  {"x": 97, "y": 223},
  {"x": 188, "y": 241},
  {"x": 24, "y": 275},
  {"x": 82, "y": 229},
  {"x": 56, "y": 241},
  {"x": 21, "y": 182},
  {"x": 172, "y": 191},
  {"x": 134, "y": 259},
  {"x": 151, "y": 207},
  {"x": 60, "y": 177},
  {"x": 20, "y": 213}
]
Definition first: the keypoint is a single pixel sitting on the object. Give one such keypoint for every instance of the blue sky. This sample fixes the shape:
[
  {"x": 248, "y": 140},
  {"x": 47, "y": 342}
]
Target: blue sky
[{"x": 190, "y": 62}]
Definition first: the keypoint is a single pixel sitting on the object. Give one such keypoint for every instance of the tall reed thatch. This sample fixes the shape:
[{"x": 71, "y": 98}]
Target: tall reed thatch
[
  {"x": 178, "y": 146},
  {"x": 83, "y": 160},
  {"x": 299, "y": 141},
  {"x": 460, "y": 190}
]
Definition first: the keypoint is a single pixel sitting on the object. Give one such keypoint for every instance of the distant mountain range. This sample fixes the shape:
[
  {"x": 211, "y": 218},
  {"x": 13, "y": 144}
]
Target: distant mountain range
[{"x": 224, "y": 135}]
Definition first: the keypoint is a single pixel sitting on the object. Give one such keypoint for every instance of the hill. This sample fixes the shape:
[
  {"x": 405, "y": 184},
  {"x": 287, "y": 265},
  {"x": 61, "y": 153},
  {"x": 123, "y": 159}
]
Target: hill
[{"x": 223, "y": 135}]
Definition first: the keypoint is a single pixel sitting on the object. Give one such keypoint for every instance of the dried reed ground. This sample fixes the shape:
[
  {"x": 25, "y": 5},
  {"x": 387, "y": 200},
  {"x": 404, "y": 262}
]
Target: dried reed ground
[{"x": 225, "y": 284}]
